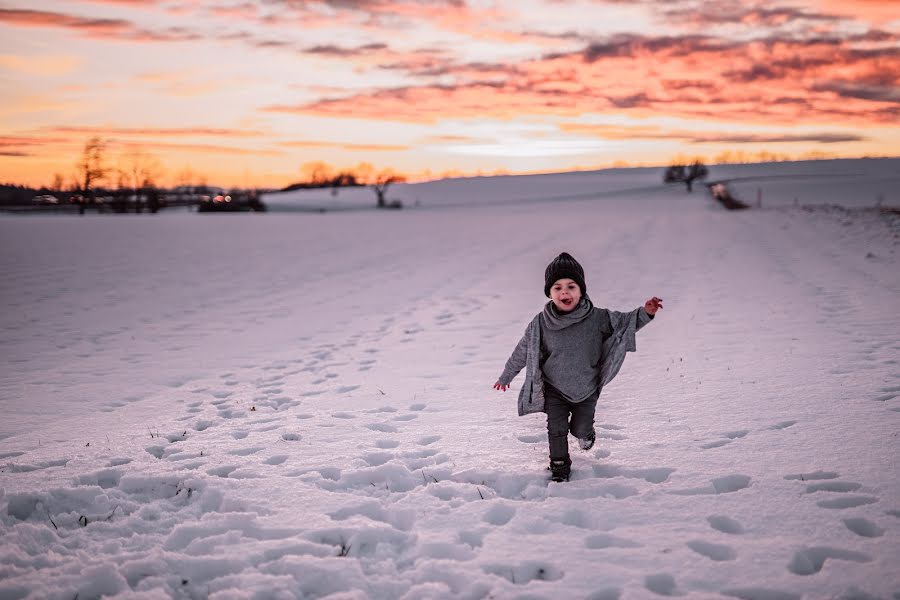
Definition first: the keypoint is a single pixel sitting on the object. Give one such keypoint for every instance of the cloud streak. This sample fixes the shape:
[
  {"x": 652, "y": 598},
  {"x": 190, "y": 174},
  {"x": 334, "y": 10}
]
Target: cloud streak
[
  {"x": 617, "y": 132},
  {"x": 155, "y": 131},
  {"x": 96, "y": 28},
  {"x": 806, "y": 81},
  {"x": 346, "y": 146}
]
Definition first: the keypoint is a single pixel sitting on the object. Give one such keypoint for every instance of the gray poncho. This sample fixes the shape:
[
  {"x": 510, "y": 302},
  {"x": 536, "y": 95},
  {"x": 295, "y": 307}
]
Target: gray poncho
[{"x": 527, "y": 354}]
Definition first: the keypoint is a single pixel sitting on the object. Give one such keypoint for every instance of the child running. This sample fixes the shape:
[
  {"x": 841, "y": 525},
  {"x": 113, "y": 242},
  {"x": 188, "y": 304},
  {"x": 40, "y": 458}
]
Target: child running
[{"x": 570, "y": 350}]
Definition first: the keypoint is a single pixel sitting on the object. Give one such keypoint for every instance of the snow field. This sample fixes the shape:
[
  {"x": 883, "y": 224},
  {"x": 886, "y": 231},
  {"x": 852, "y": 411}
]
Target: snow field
[{"x": 303, "y": 407}]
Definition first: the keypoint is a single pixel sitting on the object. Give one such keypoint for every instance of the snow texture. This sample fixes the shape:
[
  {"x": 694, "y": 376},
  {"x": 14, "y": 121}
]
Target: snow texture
[{"x": 301, "y": 405}]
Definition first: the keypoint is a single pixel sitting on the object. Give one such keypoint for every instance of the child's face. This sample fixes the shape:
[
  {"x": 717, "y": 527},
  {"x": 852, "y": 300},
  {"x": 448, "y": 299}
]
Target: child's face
[{"x": 565, "y": 294}]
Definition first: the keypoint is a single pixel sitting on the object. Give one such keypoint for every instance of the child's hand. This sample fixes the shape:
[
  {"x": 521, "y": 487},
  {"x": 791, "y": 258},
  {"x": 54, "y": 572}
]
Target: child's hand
[
  {"x": 652, "y": 305},
  {"x": 501, "y": 387}
]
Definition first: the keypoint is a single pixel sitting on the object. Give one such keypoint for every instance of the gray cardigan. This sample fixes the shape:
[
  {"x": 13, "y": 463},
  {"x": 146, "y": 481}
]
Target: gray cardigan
[{"x": 527, "y": 354}]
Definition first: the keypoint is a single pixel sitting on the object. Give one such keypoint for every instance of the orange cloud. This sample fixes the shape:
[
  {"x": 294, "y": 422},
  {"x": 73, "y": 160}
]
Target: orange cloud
[
  {"x": 202, "y": 148},
  {"x": 241, "y": 12},
  {"x": 873, "y": 11},
  {"x": 115, "y": 29},
  {"x": 772, "y": 80},
  {"x": 620, "y": 132},
  {"x": 345, "y": 146},
  {"x": 14, "y": 140},
  {"x": 155, "y": 131},
  {"x": 40, "y": 18}
]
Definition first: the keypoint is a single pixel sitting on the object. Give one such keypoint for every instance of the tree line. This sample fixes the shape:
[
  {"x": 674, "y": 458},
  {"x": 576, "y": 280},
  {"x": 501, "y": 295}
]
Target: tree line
[
  {"x": 319, "y": 174},
  {"x": 135, "y": 175}
]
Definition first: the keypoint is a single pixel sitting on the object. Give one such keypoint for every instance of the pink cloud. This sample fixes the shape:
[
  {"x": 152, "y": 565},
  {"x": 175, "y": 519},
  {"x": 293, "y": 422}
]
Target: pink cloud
[
  {"x": 114, "y": 29},
  {"x": 804, "y": 81}
]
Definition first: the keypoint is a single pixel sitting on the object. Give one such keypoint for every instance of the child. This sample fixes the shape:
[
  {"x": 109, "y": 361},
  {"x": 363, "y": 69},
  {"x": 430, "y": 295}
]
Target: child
[{"x": 571, "y": 350}]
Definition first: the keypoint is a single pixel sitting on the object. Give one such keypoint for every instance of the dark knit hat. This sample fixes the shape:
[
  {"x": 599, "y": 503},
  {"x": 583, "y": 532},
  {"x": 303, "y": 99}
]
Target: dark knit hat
[{"x": 563, "y": 267}]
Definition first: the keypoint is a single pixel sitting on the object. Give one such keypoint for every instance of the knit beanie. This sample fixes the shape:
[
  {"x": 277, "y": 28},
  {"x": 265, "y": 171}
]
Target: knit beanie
[{"x": 563, "y": 267}]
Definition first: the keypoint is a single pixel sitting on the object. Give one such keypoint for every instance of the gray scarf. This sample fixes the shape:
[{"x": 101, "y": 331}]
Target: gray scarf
[{"x": 554, "y": 320}]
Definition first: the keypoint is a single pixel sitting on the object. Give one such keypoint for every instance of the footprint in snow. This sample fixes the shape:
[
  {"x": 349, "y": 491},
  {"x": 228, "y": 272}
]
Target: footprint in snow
[
  {"x": 343, "y": 415},
  {"x": 758, "y": 593},
  {"x": 847, "y": 502},
  {"x": 609, "y": 593},
  {"x": 223, "y": 471},
  {"x": 725, "y": 524},
  {"x": 615, "y": 491},
  {"x": 386, "y": 444},
  {"x": 531, "y": 438},
  {"x": 863, "y": 527},
  {"x": 733, "y": 435},
  {"x": 383, "y": 427},
  {"x": 156, "y": 451},
  {"x": 576, "y": 517},
  {"x": 245, "y": 451},
  {"x": 716, "y": 552},
  {"x": 417, "y": 407},
  {"x": 719, "y": 485},
  {"x": 833, "y": 486},
  {"x": 810, "y": 561},
  {"x": 428, "y": 439},
  {"x": 650, "y": 475},
  {"x": 783, "y": 425},
  {"x": 715, "y": 444},
  {"x": 276, "y": 460},
  {"x": 815, "y": 475},
  {"x": 376, "y": 459},
  {"x": 525, "y": 573},
  {"x": 662, "y": 584}
]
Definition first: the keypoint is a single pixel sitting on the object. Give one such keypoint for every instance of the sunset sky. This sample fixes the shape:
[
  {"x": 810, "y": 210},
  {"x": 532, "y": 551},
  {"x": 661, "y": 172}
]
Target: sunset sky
[{"x": 244, "y": 93}]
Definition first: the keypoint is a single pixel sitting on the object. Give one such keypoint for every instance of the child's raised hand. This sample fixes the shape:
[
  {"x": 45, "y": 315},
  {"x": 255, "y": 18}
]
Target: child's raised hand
[
  {"x": 652, "y": 305},
  {"x": 500, "y": 386}
]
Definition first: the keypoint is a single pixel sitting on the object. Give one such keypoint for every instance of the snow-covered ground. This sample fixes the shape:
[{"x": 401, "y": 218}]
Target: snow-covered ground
[
  {"x": 301, "y": 405},
  {"x": 853, "y": 183}
]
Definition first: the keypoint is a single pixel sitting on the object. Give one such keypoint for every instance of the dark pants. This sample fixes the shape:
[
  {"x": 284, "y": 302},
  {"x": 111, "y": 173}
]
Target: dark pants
[{"x": 559, "y": 424}]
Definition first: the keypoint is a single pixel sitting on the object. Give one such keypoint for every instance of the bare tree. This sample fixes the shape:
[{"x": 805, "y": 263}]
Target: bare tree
[
  {"x": 686, "y": 175},
  {"x": 91, "y": 168},
  {"x": 382, "y": 181},
  {"x": 58, "y": 183},
  {"x": 185, "y": 177},
  {"x": 317, "y": 173},
  {"x": 141, "y": 170}
]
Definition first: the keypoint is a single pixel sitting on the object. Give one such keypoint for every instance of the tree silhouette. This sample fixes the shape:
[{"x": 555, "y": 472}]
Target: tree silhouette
[
  {"x": 91, "y": 168},
  {"x": 382, "y": 181},
  {"x": 686, "y": 175}
]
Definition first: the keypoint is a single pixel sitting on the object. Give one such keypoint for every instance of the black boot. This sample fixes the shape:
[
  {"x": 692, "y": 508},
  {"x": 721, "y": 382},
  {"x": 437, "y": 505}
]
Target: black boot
[
  {"x": 560, "y": 469},
  {"x": 588, "y": 442}
]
